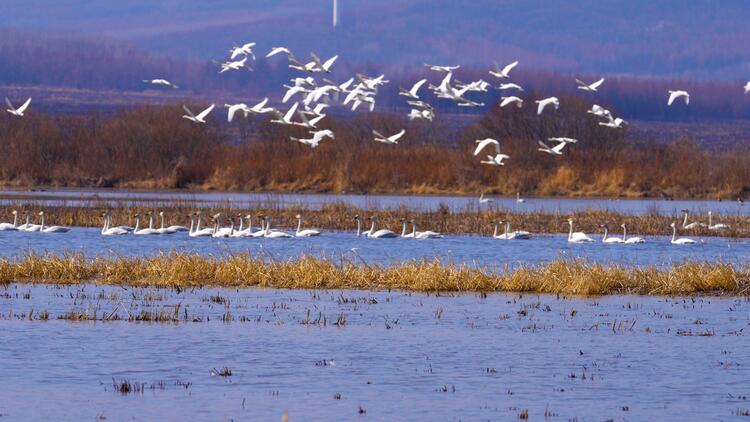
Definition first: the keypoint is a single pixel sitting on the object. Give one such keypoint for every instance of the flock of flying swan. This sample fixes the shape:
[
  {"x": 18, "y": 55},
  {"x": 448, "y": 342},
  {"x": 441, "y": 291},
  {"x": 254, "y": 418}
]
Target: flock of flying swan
[{"x": 314, "y": 96}]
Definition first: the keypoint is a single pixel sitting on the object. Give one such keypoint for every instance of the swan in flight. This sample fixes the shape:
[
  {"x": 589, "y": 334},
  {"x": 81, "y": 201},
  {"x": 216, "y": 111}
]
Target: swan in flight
[
  {"x": 285, "y": 119},
  {"x": 629, "y": 240},
  {"x": 483, "y": 143},
  {"x": 747, "y": 88},
  {"x": 476, "y": 86},
  {"x": 17, "y": 111},
  {"x": 162, "y": 82},
  {"x": 277, "y": 50},
  {"x": 9, "y": 226},
  {"x": 317, "y": 66},
  {"x": 421, "y": 114},
  {"x": 442, "y": 68},
  {"x": 496, "y": 160},
  {"x": 308, "y": 123},
  {"x": 673, "y": 95},
  {"x": 483, "y": 200},
  {"x": 563, "y": 139},
  {"x": 428, "y": 234},
  {"x": 412, "y": 93},
  {"x": 717, "y": 226},
  {"x": 519, "y": 200},
  {"x": 577, "y": 237},
  {"x": 545, "y": 102},
  {"x": 261, "y": 108},
  {"x": 235, "y": 65},
  {"x": 693, "y": 225},
  {"x": 372, "y": 83},
  {"x": 244, "y": 50},
  {"x": 51, "y": 229},
  {"x": 511, "y": 100},
  {"x": 306, "y": 232},
  {"x": 379, "y": 234},
  {"x": 510, "y": 85},
  {"x": 681, "y": 240},
  {"x": 393, "y": 139},
  {"x": 316, "y": 138},
  {"x": 593, "y": 87},
  {"x": 201, "y": 117},
  {"x": 607, "y": 239},
  {"x": 111, "y": 231},
  {"x": 232, "y": 109},
  {"x": 292, "y": 91},
  {"x": 556, "y": 150},
  {"x": 600, "y": 111},
  {"x": 614, "y": 123},
  {"x": 503, "y": 73}
]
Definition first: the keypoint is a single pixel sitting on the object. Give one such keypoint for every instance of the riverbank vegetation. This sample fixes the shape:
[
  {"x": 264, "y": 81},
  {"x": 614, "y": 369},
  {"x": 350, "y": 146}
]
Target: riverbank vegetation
[{"x": 179, "y": 270}]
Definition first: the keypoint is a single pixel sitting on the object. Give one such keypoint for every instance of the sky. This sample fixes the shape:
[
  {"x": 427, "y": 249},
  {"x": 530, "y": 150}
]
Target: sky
[{"x": 669, "y": 38}]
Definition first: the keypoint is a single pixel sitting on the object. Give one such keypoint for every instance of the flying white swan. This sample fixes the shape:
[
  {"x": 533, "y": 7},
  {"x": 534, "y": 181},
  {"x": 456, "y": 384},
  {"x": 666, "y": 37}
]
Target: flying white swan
[
  {"x": 577, "y": 237},
  {"x": 111, "y": 231},
  {"x": 510, "y": 85},
  {"x": 442, "y": 68},
  {"x": 201, "y": 117},
  {"x": 235, "y": 65},
  {"x": 593, "y": 87},
  {"x": 673, "y": 95},
  {"x": 379, "y": 234},
  {"x": 51, "y": 229},
  {"x": 556, "y": 150},
  {"x": 306, "y": 232},
  {"x": 285, "y": 119},
  {"x": 629, "y": 240},
  {"x": 393, "y": 139},
  {"x": 318, "y": 66},
  {"x": 563, "y": 139},
  {"x": 412, "y": 93},
  {"x": 483, "y": 143},
  {"x": 232, "y": 109},
  {"x": 495, "y": 160},
  {"x": 162, "y": 82},
  {"x": 421, "y": 114},
  {"x": 541, "y": 104},
  {"x": 693, "y": 225},
  {"x": 607, "y": 239},
  {"x": 428, "y": 234},
  {"x": 261, "y": 108},
  {"x": 600, "y": 111},
  {"x": 8, "y": 226},
  {"x": 681, "y": 240},
  {"x": 17, "y": 111},
  {"x": 277, "y": 50},
  {"x": 511, "y": 100},
  {"x": 243, "y": 50},
  {"x": 747, "y": 88},
  {"x": 503, "y": 73},
  {"x": 614, "y": 123},
  {"x": 316, "y": 138},
  {"x": 717, "y": 226}
]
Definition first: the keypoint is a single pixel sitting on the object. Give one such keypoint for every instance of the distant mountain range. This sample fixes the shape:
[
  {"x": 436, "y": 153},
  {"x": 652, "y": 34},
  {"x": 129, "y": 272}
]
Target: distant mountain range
[{"x": 700, "y": 39}]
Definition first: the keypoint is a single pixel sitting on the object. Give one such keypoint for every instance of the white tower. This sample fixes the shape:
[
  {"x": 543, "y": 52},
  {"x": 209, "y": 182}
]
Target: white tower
[{"x": 335, "y": 13}]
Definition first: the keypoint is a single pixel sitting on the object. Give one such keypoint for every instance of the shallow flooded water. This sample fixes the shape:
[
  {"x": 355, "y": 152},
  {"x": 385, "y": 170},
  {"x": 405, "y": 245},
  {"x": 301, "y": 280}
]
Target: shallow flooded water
[
  {"x": 113, "y": 197},
  {"x": 473, "y": 250},
  {"x": 342, "y": 355}
]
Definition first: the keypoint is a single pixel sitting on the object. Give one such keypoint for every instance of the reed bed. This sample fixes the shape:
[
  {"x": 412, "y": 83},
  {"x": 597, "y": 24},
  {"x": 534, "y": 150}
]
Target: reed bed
[
  {"x": 338, "y": 216},
  {"x": 181, "y": 270}
]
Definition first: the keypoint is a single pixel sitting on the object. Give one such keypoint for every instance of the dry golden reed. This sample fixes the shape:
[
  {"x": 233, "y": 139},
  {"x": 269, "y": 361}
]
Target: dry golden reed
[{"x": 182, "y": 270}]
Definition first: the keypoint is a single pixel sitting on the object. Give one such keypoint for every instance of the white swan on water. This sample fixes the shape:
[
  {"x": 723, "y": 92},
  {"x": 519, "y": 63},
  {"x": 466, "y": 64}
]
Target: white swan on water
[
  {"x": 509, "y": 235},
  {"x": 27, "y": 226},
  {"x": 111, "y": 231},
  {"x": 142, "y": 232},
  {"x": 679, "y": 241},
  {"x": 8, "y": 226},
  {"x": 717, "y": 226},
  {"x": 577, "y": 237},
  {"x": 307, "y": 232},
  {"x": 629, "y": 240},
  {"x": 51, "y": 229},
  {"x": 427, "y": 234},
  {"x": 273, "y": 234},
  {"x": 692, "y": 225},
  {"x": 379, "y": 234},
  {"x": 607, "y": 239},
  {"x": 197, "y": 231}
]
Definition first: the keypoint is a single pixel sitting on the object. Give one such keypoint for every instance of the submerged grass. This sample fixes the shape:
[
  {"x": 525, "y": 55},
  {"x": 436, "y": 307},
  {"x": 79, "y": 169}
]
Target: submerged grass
[{"x": 182, "y": 270}]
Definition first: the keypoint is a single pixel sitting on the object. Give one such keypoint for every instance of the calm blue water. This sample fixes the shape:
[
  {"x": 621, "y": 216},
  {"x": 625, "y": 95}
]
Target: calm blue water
[
  {"x": 474, "y": 250},
  {"x": 400, "y": 356},
  {"x": 100, "y": 197}
]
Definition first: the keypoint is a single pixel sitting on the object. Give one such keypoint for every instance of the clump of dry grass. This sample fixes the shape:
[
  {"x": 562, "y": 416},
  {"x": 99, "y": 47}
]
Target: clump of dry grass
[{"x": 183, "y": 270}]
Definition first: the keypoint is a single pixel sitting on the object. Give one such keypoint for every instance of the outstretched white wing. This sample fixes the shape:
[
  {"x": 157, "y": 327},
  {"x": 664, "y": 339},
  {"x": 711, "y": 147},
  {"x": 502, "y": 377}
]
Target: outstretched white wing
[
  {"x": 482, "y": 143},
  {"x": 205, "y": 112}
]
